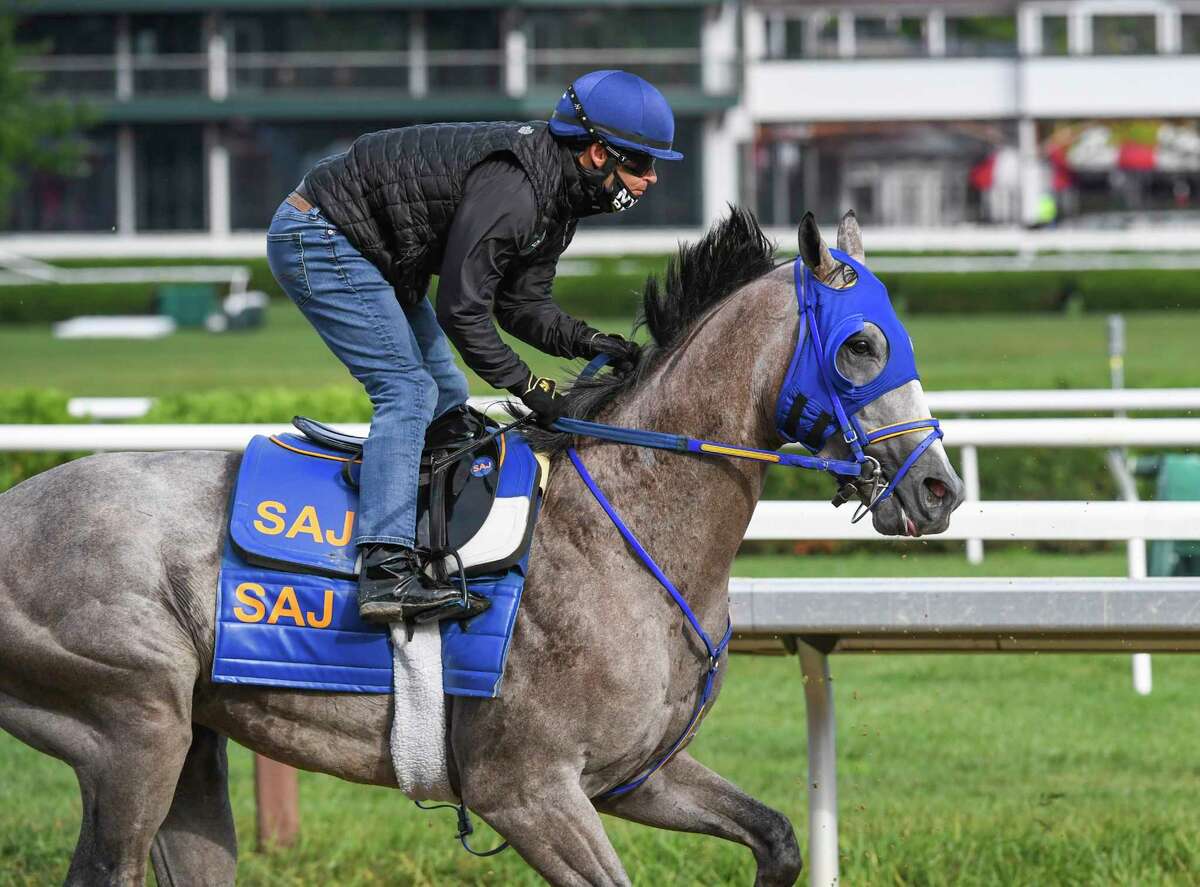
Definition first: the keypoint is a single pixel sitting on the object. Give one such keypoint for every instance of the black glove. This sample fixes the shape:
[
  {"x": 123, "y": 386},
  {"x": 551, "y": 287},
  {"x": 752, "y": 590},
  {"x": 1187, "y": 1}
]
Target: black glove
[
  {"x": 542, "y": 397},
  {"x": 623, "y": 354}
]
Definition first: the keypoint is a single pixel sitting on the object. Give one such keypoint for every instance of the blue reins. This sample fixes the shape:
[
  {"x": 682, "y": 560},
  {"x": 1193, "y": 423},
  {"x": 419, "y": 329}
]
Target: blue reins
[{"x": 714, "y": 651}]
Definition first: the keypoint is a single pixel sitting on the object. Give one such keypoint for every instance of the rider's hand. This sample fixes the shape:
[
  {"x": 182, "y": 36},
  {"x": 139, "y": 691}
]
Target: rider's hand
[
  {"x": 623, "y": 354},
  {"x": 543, "y": 399}
]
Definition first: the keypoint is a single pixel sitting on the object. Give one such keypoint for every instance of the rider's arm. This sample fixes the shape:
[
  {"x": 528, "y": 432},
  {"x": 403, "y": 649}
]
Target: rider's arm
[
  {"x": 497, "y": 214},
  {"x": 525, "y": 309}
]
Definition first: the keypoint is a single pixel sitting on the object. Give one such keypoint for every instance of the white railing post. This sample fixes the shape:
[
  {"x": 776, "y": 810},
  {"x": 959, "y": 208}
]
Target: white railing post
[
  {"x": 516, "y": 54},
  {"x": 123, "y": 52},
  {"x": 126, "y": 174},
  {"x": 822, "y": 768},
  {"x": 418, "y": 57},
  {"x": 970, "y": 479},
  {"x": 219, "y": 220},
  {"x": 218, "y": 61}
]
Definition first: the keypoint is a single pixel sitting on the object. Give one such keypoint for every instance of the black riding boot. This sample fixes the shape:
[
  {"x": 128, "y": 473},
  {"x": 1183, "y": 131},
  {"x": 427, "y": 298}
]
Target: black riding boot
[{"x": 393, "y": 587}]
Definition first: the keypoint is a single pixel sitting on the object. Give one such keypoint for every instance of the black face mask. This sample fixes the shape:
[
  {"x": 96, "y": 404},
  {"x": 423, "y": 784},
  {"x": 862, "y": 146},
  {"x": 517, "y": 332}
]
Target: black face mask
[{"x": 612, "y": 198}]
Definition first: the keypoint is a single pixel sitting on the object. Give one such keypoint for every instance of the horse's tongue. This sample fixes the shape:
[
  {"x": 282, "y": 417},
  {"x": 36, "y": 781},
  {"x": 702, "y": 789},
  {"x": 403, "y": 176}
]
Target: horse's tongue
[{"x": 910, "y": 527}]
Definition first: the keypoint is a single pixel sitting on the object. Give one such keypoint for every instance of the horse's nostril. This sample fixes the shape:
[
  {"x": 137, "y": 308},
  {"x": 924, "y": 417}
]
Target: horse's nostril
[{"x": 936, "y": 487}]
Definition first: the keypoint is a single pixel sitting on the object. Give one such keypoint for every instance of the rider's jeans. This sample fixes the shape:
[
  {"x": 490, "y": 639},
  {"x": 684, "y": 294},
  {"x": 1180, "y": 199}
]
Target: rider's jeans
[{"x": 400, "y": 355}]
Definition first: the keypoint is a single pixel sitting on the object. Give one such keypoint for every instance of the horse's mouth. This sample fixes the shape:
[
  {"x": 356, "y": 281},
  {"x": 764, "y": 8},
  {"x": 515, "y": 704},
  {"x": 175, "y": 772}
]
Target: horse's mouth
[{"x": 893, "y": 519}]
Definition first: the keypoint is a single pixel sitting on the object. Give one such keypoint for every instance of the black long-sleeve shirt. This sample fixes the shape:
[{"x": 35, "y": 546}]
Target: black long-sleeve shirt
[{"x": 481, "y": 271}]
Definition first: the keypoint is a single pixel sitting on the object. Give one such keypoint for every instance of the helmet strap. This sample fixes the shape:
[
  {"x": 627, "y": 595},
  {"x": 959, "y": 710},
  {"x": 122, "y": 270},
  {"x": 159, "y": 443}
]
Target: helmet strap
[{"x": 617, "y": 196}]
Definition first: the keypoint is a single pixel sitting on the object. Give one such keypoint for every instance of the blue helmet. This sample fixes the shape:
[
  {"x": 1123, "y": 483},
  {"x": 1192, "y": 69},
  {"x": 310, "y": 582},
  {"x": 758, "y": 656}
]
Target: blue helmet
[{"x": 622, "y": 108}]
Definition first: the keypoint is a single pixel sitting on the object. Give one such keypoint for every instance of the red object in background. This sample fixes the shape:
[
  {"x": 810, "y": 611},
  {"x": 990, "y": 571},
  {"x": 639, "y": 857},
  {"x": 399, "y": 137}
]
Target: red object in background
[
  {"x": 1137, "y": 157},
  {"x": 1061, "y": 179},
  {"x": 983, "y": 175}
]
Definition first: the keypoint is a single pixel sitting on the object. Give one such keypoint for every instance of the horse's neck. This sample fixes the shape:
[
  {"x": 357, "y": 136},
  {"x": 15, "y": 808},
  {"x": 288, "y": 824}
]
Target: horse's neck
[{"x": 691, "y": 512}]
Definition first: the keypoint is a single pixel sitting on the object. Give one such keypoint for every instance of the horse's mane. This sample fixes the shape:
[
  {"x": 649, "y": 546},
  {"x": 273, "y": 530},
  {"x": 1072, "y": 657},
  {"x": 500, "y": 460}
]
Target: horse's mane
[{"x": 700, "y": 276}]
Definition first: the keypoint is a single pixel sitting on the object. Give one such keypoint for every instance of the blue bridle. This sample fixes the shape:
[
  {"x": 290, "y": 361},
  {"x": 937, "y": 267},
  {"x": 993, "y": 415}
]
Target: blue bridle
[
  {"x": 815, "y": 399},
  {"x": 814, "y": 396}
]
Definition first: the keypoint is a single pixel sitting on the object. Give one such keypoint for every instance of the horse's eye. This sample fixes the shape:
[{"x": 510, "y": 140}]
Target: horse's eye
[{"x": 861, "y": 347}]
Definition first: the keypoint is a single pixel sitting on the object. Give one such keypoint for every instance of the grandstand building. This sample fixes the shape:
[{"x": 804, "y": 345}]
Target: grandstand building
[{"x": 1063, "y": 112}]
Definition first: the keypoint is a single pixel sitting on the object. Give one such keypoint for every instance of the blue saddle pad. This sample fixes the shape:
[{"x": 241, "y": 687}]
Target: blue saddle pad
[{"x": 291, "y": 618}]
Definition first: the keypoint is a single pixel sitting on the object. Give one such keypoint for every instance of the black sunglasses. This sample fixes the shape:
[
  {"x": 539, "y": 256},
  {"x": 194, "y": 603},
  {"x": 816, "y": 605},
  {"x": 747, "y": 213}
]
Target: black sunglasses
[{"x": 635, "y": 161}]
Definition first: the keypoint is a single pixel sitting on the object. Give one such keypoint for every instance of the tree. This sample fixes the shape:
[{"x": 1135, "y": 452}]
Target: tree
[{"x": 35, "y": 133}]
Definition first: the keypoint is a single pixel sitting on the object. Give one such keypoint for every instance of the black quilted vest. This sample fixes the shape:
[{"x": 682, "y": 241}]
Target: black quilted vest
[{"x": 394, "y": 193}]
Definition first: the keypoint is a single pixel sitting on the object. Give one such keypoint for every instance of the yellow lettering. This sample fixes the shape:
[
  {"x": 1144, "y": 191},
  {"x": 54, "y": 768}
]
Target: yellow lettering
[
  {"x": 326, "y": 617},
  {"x": 306, "y": 522},
  {"x": 266, "y": 510},
  {"x": 346, "y": 527},
  {"x": 257, "y": 610},
  {"x": 286, "y": 605}
]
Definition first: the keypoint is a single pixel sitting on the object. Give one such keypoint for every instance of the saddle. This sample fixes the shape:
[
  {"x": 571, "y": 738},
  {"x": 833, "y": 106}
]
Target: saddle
[
  {"x": 286, "y": 612},
  {"x": 457, "y": 507}
]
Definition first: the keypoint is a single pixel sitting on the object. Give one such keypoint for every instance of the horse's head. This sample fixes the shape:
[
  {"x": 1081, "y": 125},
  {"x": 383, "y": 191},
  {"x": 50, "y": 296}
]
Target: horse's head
[{"x": 852, "y": 390}]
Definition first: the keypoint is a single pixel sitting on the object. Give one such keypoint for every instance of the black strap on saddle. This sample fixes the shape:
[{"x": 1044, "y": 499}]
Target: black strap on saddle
[{"x": 445, "y": 470}]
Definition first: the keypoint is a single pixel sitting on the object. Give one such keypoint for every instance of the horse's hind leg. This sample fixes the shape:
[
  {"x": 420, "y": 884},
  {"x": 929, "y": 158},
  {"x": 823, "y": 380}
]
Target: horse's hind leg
[
  {"x": 688, "y": 797},
  {"x": 127, "y": 785},
  {"x": 197, "y": 844}
]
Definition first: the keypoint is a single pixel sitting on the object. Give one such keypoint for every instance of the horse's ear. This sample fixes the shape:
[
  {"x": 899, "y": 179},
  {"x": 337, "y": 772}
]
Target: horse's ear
[
  {"x": 849, "y": 239},
  {"x": 813, "y": 250}
]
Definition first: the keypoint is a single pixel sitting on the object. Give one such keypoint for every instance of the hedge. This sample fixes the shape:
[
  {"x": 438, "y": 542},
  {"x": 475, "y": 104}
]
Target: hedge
[
  {"x": 615, "y": 290},
  {"x": 1006, "y": 474}
]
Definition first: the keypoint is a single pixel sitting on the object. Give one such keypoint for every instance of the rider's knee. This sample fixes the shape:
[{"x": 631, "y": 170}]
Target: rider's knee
[{"x": 412, "y": 391}]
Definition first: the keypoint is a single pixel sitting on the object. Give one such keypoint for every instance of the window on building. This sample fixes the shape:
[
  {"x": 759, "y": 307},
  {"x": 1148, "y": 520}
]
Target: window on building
[
  {"x": 169, "y": 178},
  {"x": 1123, "y": 35},
  {"x": 825, "y": 29},
  {"x": 889, "y": 36},
  {"x": 1054, "y": 35},
  {"x": 787, "y": 37},
  {"x": 319, "y": 50},
  {"x": 1189, "y": 26},
  {"x": 85, "y": 201},
  {"x": 464, "y": 50},
  {"x": 268, "y": 160},
  {"x": 168, "y": 54},
  {"x": 662, "y": 45},
  {"x": 981, "y": 36},
  {"x": 63, "y": 44}
]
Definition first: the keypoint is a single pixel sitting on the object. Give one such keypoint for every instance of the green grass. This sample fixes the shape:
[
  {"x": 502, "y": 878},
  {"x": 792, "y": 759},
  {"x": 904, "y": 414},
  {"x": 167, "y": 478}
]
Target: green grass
[
  {"x": 976, "y": 770},
  {"x": 978, "y": 351},
  {"x": 963, "y": 770}
]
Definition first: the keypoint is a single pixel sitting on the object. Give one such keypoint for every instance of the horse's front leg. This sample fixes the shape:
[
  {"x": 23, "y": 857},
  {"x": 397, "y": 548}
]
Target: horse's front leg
[{"x": 688, "y": 797}]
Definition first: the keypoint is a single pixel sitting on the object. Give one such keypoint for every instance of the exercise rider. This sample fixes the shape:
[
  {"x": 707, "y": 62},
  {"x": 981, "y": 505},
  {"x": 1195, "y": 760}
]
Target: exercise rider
[{"x": 489, "y": 208}]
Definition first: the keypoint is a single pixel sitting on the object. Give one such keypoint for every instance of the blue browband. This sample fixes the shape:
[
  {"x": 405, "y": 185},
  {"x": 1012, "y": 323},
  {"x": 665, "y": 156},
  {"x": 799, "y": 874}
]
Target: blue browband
[{"x": 813, "y": 397}]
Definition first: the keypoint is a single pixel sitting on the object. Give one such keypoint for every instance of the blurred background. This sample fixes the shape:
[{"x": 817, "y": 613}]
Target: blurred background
[{"x": 1027, "y": 175}]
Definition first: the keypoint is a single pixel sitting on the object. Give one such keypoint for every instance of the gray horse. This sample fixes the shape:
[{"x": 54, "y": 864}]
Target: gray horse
[{"x": 109, "y": 572}]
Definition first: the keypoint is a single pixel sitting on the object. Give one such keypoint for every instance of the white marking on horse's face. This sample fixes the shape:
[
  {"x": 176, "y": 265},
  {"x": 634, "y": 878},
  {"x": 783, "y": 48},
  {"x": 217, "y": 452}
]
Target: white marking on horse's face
[{"x": 915, "y": 498}]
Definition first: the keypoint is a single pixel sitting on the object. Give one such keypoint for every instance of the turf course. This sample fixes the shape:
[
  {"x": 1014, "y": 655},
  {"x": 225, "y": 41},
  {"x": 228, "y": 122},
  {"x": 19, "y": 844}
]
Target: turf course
[
  {"x": 972, "y": 351},
  {"x": 988, "y": 770}
]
